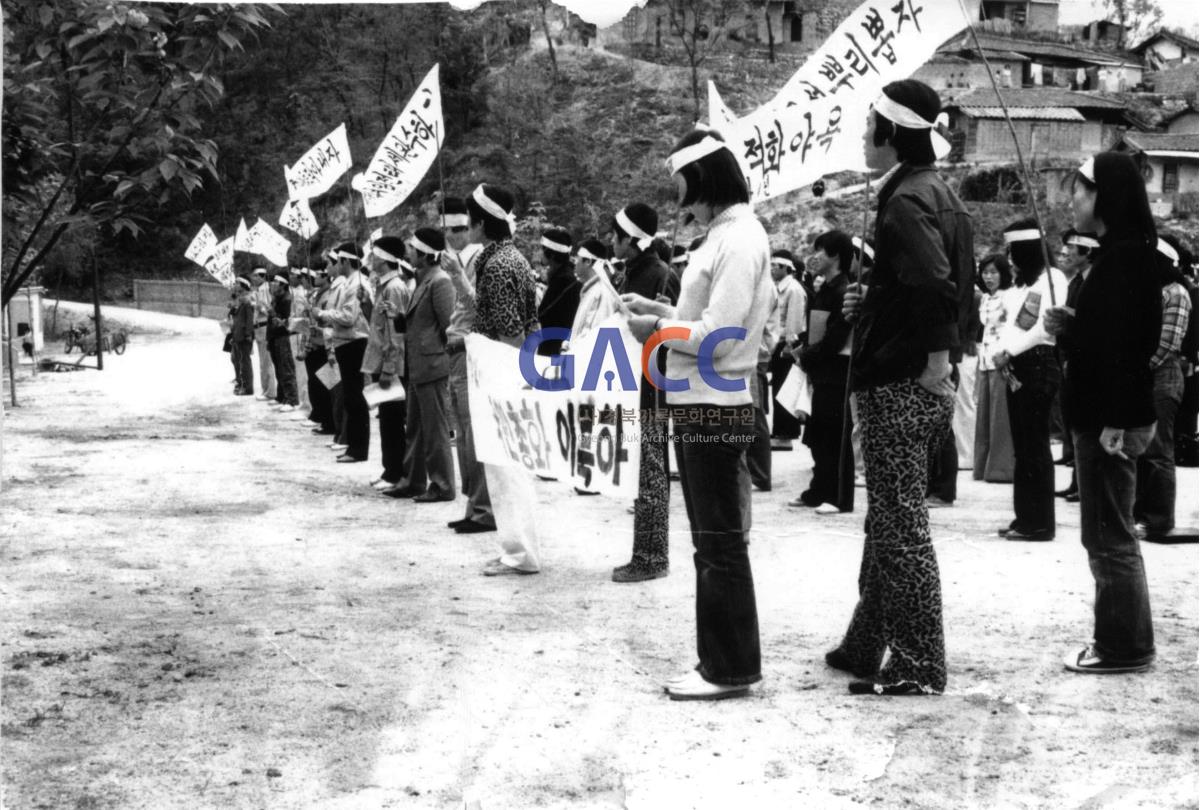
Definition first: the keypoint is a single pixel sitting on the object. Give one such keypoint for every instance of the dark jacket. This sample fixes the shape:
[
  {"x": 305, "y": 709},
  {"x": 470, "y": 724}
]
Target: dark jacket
[
  {"x": 428, "y": 315},
  {"x": 822, "y": 361},
  {"x": 646, "y": 275},
  {"x": 281, "y": 312},
  {"x": 1109, "y": 342},
  {"x": 559, "y": 303},
  {"x": 243, "y": 320},
  {"x": 922, "y": 285}
]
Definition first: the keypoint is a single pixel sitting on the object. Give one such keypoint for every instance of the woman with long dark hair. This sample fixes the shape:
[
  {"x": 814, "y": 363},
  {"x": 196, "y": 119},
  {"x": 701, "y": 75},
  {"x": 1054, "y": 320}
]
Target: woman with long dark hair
[
  {"x": 1108, "y": 398},
  {"x": 717, "y": 326},
  {"x": 993, "y": 436},
  {"x": 913, "y": 322}
]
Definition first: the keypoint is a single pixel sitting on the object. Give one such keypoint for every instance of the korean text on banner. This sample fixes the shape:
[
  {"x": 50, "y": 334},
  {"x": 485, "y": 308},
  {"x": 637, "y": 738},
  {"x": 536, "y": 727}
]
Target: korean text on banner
[
  {"x": 270, "y": 243},
  {"x": 241, "y": 238},
  {"x": 316, "y": 172},
  {"x": 297, "y": 217},
  {"x": 816, "y": 124},
  {"x": 220, "y": 262},
  {"x": 202, "y": 246},
  {"x": 588, "y": 439},
  {"x": 407, "y": 151}
]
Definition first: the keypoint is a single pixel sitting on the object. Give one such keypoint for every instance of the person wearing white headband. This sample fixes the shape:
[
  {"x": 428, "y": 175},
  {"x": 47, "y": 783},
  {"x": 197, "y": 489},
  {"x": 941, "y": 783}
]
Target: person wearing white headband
[
  {"x": 349, "y": 309},
  {"x": 560, "y": 301},
  {"x": 279, "y": 342},
  {"x": 633, "y": 234},
  {"x": 301, "y": 281},
  {"x": 1154, "y": 502},
  {"x": 458, "y": 260},
  {"x": 316, "y": 355},
  {"x": 1108, "y": 334},
  {"x": 241, "y": 338},
  {"x": 791, "y": 306},
  {"x": 428, "y": 461},
  {"x": 727, "y": 286},
  {"x": 1026, "y": 354},
  {"x": 505, "y": 300},
  {"x": 262, "y": 311},
  {"x": 384, "y": 362},
  {"x": 912, "y": 323},
  {"x": 597, "y": 298}
]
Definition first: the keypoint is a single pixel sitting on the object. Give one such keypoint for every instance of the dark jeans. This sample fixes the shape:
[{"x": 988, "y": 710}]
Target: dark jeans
[
  {"x": 943, "y": 469},
  {"x": 716, "y": 492},
  {"x": 758, "y": 454},
  {"x": 1154, "y": 504},
  {"x": 833, "y": 458},
  {"x": 1029, "y": 417},
  {"x": 783, "y": 424},
  {"x": 318, "y": 395},
  {"x": 243, "y": 366},
  {"x": 1124, "y": 632},
  {"x": 358, "y": 426},
  {"x": 285, "y": 370},
  {"x": 393, "y": 438}
]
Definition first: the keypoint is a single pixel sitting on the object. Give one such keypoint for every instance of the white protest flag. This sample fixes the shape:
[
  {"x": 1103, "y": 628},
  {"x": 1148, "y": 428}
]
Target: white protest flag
[
  {"x": 220, "y": 262},
  {"x": 407, "y": 151},
  {"x": 241, "y": 239},
  {"x": 816, "y": 124},
  {"x": 581, "y": 437},
  {"x": 270, "y": 243},
  {"x": 316, "y": 172},
  {"x": 202, "y": 246},
  {"x": 297, "y": 217}
]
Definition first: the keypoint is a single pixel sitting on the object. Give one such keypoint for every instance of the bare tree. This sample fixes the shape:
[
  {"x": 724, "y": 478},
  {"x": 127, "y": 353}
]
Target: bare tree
[
  {"x": 1139, "y": 15},
  {"x": 698, "y": 25},
  {"x": 542, "y": 4},
  {"x": 770, "y": 31}
]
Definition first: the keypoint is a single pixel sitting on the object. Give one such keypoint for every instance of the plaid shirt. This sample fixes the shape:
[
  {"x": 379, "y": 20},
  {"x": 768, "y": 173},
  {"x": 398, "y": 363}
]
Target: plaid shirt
[{"x": 1177, "y": 309}]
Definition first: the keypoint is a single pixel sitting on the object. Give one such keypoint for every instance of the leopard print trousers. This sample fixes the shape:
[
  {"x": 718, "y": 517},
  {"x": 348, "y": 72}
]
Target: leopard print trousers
[{"x": 899, "y": 589}]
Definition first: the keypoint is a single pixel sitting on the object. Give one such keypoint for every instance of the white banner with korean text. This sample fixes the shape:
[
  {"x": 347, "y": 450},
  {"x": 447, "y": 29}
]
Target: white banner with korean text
[
  {"x": 220, "y": 262},
  {"x": 816, "y": 124},
  {"x": 297, "y": 217},
  {"x": 407, "y": 151},
  {"x": 202, "y": 246},
  {"x": 584, "y": 438},
  {"x": 322, "y": 165}
]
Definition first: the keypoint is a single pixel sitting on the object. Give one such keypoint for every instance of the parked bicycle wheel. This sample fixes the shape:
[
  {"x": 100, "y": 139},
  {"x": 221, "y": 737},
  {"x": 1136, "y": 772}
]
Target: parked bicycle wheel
[{"x": 118, "y": 342}]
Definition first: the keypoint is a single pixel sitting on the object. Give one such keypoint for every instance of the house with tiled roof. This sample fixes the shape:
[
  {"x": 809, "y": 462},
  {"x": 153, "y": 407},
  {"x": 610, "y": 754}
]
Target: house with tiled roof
[
  {"x": 1166, "y": 48},
  {"x": 1171, "y": 165},
  {"x": 1038, "y": 63},
  {"x": 1050, "y": 123}
]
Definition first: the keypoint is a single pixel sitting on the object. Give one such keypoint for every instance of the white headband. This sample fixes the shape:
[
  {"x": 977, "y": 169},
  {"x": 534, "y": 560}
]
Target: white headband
[
  {"x": 690, "y": 154},
  {"x": 643, "y": 239},
  {"x": 681, "y": 258},
  {"x": 902, "y": 116},
  {"x": 1088, "y": 169},
  {"x": 1165, "y": 249},
  {"x": 557, "y": 247},
  {"x": 584, "y": 253},
  {"x": 455, "y": 221},
  {"x": 424, "y": 248},
  {"x": 1027, "y": 235},
  {"x": 782, "y": 262},
  {"x": 244, "y": 283},
  {"x": 493, "y": 208},
  {"x": 1083, "y": 241},
  {"x": 278, "y": 277},
  {"x": 383, "y": 254},
  {"x": 343, "y": 254},
  {"x": 406, "y": 266},
  {"x": 863, "y": 247}
]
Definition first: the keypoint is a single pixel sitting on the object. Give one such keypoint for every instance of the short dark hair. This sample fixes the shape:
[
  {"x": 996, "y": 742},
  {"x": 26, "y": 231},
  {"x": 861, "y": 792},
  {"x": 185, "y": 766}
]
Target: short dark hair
[
  {"x": 784, "y": 253},
  {"x": 715, "y": 179},
  {"x": 1028, "y": 256},
  {"x": 493, "y": 227},
  {"x": 911, "y": 145},
  {"x": 1000, "y": 262},
  {"x": 837, "y": 243},
  {"x": 1168, "y": 272},
  {"x": 1080, "y": 250},
  {"x": 1121, "y": 201},
  {"x": 594, "y": 246}
]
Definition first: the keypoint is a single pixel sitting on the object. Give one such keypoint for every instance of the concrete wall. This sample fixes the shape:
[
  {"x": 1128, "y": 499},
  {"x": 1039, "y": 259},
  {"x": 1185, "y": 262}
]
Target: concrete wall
[
  {"x": 193, "y": 298},
  {"x": 1188, "y": 176},
  {"x": 1042, "y": 17},
  {"x": 942, "y": 75},
  {"x": 989, "y": 139}
]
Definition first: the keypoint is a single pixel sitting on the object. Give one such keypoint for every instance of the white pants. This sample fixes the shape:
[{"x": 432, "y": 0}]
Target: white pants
[
  {"x": 301, "y": 374},
  {"x": 514, "y": 503}
]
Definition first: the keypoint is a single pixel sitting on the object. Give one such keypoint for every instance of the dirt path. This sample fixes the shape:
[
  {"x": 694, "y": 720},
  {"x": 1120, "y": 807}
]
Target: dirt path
[{"x": 201, "y": 610}]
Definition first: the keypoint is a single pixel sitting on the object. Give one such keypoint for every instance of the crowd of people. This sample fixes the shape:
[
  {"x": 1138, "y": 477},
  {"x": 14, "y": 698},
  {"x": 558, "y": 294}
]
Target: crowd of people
[{"x": 913, "y": 359}]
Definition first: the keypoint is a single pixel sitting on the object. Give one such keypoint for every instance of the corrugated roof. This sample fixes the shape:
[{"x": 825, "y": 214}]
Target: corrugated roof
[
  {"x": 1163, "y": 141},
  {"x": 1030, "y": 97},
  {"x": 1035, "y": 49},
  {"x": 1025, "y": 113}
]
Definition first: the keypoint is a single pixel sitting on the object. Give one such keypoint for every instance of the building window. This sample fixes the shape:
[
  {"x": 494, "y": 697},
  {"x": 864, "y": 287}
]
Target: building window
[
  {"x": 796, "y": 28},
  {"x": 1170, "y": 183}
]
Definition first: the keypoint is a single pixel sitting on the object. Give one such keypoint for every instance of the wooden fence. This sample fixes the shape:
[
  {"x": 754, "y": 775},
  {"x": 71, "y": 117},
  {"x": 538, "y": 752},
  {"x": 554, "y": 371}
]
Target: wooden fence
[{"x": 195, "y": 298}]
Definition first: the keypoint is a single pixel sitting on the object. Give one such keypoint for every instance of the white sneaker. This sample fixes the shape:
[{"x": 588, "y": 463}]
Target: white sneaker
[
  {"x": 827, "y": 509},
  {"x": 261, "y": 397},
  {"x": 381, "y": 485},
  {"x": 285, "y": 408},
  {"x": 339, "y": 447},
  {"x": 696, "y": 688}
]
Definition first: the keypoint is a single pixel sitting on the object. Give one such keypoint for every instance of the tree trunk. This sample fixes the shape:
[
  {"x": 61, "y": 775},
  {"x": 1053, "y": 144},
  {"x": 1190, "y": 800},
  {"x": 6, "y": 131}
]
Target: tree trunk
[
  {"x": 770, "y": 33},
  {"x": 549, "y": 43}
]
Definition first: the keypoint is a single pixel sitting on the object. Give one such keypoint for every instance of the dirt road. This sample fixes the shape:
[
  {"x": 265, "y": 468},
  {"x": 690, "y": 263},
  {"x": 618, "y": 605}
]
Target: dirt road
[{"x": 200, "y": 609}]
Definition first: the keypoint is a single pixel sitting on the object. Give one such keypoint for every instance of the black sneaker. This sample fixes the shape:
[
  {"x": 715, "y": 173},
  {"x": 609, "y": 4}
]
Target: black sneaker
[
  {"x": 636, "y": 573},
  {"x": 1088, "y": 660}
]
